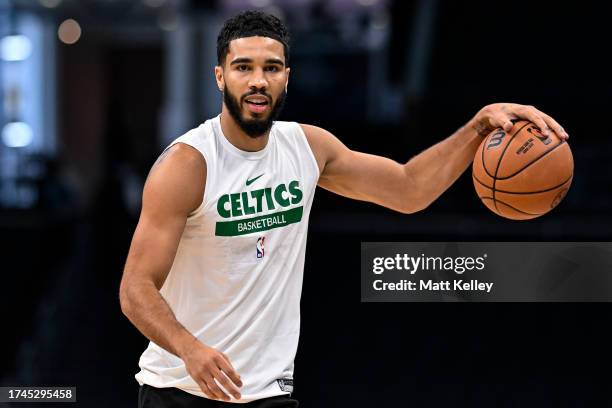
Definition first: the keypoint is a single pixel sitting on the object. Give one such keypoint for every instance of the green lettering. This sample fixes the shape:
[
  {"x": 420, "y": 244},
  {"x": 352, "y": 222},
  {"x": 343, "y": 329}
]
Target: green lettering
[
  {"x": 269, "y": 201},
  {"x": 261, "y": 223},
  {"x": 235, "y": 200},
  {"x": 294, "y": 190},
  {"x": 257, "y": 195},
  {"x": 245, "y": 204},
  {"x": 278, "y": 195},
  {"x": 224, "y": 199}
]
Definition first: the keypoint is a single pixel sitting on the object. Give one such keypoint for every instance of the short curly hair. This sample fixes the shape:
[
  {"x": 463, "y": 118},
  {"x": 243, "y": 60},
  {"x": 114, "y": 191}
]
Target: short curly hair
[{"x": 249, "y": 24}]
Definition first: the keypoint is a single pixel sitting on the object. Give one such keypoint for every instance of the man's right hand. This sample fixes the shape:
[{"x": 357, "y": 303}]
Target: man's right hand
[
  {"x": 180, "y": 173},
  {"x": 208, "y": 367}
]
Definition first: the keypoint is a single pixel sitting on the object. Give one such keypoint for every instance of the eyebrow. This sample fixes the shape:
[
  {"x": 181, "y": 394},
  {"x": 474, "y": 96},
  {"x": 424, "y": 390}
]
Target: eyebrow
[{"x": 244, "y": 60}]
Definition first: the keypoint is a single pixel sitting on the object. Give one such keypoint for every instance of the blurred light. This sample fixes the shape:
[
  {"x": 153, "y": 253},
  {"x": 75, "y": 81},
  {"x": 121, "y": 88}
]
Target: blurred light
[
  {"x": 260, "y": 3},
  {"x": 367, "y": 2},
  {"x": 154, "y": 3},
  {"x": 69, "y": 31},
  {"x": 17, "y": 134},
  {"x": 50, "y": 3},
  {"x": 15, "y": 48},
  {"x": 168, "y": 21}
]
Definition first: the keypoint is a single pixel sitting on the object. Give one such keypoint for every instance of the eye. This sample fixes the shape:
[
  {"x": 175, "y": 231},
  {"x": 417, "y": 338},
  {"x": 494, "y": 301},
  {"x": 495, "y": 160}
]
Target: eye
[
  {"x": 272, "y": 68},
  {"x": 242, "y": 68}
]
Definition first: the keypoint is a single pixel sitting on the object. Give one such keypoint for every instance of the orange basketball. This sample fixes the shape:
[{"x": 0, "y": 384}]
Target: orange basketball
[{"x": 522, "y": 174}]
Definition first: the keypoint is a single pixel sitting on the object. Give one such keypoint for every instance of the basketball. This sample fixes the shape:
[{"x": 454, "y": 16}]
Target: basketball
[{"x": 522, "y": 174}]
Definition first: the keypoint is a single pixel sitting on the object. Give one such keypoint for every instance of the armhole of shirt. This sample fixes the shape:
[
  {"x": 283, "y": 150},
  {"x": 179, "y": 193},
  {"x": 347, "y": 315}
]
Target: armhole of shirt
[
  {"x": 207, "y": 183},
  {"x": 310, "y": 152}
]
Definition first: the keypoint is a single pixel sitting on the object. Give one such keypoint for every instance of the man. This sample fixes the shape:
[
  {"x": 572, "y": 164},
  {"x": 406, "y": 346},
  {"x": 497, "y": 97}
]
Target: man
[{"x": 214, "y": 273}]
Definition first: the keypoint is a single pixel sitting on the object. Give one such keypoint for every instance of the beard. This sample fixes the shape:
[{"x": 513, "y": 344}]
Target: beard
[{"x": 254, "y": 127}]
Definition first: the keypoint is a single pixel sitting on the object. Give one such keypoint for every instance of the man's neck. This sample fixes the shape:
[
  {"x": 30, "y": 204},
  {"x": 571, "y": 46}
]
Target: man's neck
[{"x": 237, "y": 137}]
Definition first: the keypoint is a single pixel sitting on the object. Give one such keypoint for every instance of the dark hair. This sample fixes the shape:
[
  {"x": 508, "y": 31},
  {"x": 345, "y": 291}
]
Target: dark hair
[{"x": 250, "y": 24}]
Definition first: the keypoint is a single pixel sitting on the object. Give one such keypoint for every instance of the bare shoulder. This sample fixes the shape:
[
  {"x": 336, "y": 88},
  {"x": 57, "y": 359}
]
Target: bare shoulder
[
  {"x": 323, "y": 143},
  {"x": 180, "y": 153},
  {"x": 178, "y": 177},
  {"x": 316, "y": 135}
]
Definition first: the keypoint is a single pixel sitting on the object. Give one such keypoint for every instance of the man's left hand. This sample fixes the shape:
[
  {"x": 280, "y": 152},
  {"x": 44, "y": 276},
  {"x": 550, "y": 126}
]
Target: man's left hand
[{"x": 500, "y": 115}]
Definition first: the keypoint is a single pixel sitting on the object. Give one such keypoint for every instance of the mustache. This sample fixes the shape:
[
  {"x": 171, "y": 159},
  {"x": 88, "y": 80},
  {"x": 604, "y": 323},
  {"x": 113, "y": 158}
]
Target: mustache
[{"x": 257, "y": 92}]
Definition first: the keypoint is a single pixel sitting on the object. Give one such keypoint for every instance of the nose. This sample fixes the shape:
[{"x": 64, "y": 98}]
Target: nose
[{"x": 258, "y": 79}]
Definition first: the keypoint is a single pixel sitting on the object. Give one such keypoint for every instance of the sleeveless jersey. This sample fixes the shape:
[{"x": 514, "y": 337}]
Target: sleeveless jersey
[{"x": 236, "y": 279}]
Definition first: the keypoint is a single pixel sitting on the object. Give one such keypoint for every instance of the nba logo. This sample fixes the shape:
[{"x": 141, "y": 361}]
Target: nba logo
[{"x": 260, "y": 247}]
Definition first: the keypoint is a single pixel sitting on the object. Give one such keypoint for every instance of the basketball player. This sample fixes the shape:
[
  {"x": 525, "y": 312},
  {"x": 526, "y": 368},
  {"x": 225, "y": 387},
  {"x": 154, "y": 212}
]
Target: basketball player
[{"x": 214, "y": 273}]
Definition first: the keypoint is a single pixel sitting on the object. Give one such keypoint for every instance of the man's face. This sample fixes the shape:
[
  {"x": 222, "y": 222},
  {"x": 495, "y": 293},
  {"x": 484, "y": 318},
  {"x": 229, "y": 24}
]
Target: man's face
[{"x": 254, "y": 80}]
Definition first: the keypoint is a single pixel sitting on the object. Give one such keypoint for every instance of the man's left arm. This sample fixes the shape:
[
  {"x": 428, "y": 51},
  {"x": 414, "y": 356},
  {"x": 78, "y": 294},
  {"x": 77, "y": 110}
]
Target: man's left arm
[{"x": 412, "y": 186}]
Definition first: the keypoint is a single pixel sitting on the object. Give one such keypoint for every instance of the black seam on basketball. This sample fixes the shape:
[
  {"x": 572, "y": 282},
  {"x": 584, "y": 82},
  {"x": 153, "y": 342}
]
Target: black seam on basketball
[
  {"x": 508, "y": 205},
  {"x": 500, "y": 160},
  {"x": 480, "y": 182},
  {"x": 533, "y": 161},
  {"x": 525, "y": 192},
  {"x": 482, "y": 156},
  {"x": 484, "y": 166}
]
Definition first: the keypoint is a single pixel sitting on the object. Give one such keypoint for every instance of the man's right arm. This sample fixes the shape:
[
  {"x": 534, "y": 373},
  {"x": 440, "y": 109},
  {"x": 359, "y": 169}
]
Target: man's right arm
[{"x": 174, "y": 188}]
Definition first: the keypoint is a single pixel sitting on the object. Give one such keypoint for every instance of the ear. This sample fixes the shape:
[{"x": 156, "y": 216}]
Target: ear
[
  {"x": 219, "y": 77},
  {"x": 287, "y": 70}
]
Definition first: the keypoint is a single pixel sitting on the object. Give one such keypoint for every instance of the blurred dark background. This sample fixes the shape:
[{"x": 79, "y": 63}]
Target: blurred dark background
[{"x": 92, "y": 90}]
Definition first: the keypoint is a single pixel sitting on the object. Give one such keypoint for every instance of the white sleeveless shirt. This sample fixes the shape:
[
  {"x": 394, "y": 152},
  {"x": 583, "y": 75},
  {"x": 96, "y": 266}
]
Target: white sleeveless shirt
[{"x": 236, "y": 279}]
